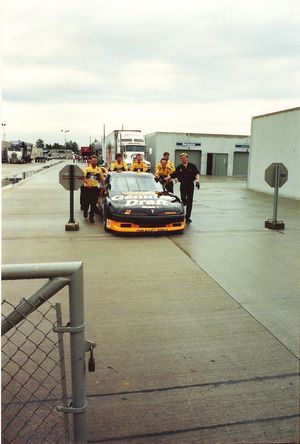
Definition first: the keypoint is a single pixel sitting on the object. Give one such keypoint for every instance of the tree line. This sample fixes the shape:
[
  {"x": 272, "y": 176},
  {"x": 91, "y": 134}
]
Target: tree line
[{"x": 73, "y": 146}]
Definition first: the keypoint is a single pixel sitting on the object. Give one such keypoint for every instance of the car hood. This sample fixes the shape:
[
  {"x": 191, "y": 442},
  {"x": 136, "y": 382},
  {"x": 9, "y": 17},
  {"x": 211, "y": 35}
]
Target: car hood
[{"x": 151, "y": 202}]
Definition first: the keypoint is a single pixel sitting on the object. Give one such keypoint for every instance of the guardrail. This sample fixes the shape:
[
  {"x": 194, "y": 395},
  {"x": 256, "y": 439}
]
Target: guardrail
[{"x": 35, "y": 403}]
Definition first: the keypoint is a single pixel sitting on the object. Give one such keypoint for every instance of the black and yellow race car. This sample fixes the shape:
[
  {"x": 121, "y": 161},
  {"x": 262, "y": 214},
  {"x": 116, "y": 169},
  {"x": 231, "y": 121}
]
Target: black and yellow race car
[{"x": 135, "y": 203}]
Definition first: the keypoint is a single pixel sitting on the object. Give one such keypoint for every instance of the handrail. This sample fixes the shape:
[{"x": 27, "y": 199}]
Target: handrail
[{"x": 39, "y": 271}]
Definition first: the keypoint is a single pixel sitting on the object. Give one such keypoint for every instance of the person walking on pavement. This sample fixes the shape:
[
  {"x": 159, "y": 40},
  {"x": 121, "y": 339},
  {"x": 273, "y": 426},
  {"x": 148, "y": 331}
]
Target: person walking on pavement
[
  {"x": 93, "y": 177},
  {"x": 119, "y": 165},
  {"x": 186, "y": 173}
]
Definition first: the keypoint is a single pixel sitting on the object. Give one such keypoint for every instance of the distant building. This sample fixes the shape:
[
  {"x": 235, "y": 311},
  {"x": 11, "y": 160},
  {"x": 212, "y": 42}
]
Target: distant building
[
  {"x": 214, "y": 154},
  {"x": 61, "y": 154},
  {"x": 275, "y": 138}
]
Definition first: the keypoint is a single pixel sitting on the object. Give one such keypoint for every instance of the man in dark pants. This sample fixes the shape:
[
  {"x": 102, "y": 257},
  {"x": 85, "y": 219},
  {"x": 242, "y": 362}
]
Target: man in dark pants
[
  {"x": 93, "y": 177},
  {"x": 187, "y": 173}
]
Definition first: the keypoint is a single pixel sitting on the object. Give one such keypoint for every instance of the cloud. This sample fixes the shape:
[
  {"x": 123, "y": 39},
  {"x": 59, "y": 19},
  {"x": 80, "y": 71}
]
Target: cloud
[{"x": 137, "y": 55}]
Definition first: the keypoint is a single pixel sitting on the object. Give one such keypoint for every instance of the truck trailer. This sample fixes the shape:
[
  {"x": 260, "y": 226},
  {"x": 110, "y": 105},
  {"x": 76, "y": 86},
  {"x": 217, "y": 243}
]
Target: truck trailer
[{"x": 127, "y": 142}]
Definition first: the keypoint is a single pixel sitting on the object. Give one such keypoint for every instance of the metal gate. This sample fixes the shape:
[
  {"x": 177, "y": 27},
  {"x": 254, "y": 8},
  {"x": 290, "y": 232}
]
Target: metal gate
[{"x": 35, "y": 402}]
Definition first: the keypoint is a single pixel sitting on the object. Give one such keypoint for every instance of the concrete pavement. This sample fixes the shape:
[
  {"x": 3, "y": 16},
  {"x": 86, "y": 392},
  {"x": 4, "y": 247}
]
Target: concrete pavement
[
  {"x": 258, "y": 267},
  {"x": 197, "y": 335}
]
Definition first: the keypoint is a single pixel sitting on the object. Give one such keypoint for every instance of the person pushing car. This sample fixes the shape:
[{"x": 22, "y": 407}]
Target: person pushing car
[
  {"x": 163, "y": 170},
  {"x": 139, "y": 165},
  {"x": 93, "y": 177},
  {"x": 119, "y": 165}
]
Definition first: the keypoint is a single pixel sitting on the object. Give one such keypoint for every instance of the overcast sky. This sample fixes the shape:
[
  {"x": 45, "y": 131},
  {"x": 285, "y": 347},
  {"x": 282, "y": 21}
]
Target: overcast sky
[{"x": 154, "y": 65}]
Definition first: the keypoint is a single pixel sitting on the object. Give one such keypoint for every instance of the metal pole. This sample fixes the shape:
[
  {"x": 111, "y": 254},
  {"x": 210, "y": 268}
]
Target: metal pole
[
  {"x": 62, "y": 367},
  {"x": 103, "y": 145},
  {"x": 276, "y": 188},
  {"x": 72, "y": 220},
  {"x": 77, "y": 342},
  {"x": 39, "y": 271}
]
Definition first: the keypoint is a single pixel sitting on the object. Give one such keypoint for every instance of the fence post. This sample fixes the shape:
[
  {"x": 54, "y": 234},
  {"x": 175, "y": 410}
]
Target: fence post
[{"x": 77, "y": 342}]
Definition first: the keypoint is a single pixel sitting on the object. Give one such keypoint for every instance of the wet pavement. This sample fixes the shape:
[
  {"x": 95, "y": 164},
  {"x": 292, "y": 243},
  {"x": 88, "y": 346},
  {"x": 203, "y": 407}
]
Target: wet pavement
[{"x": 197, "y": 334}]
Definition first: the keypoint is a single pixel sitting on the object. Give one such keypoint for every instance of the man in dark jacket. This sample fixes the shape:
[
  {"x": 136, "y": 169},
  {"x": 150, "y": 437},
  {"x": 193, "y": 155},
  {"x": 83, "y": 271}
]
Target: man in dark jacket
[{"x": 187, "y": 173}]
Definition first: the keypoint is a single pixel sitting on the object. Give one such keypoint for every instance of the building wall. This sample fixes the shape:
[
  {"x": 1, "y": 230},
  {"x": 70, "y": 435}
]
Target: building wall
[
  {"x": 210, "y": 143},
  {"x": 151, "y": 148},
  {"x": 275, "y": 138}
]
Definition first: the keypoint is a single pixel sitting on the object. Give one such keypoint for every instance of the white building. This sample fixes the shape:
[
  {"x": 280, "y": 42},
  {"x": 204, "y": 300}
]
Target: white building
[
  {"x": 214, "y": 154},
  {"x": 275, "y": 138}
]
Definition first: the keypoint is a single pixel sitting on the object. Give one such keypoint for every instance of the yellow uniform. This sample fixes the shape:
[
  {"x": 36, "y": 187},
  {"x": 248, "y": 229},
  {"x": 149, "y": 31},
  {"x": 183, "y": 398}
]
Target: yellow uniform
[
  {"x": 92, "y": 176},
  {"x": 139, "y": 167},
  {"x": 169, "y": 164},
  {"x": 119, "y": 167},
  {"x": 164, "y": 171}
]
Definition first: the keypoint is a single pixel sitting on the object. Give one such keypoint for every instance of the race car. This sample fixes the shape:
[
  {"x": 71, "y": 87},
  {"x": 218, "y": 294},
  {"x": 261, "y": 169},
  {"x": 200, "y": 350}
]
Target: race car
[{"x": 135, "y": 203}]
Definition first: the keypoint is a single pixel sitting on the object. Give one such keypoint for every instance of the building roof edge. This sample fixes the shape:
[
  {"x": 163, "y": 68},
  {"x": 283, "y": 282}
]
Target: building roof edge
[
  {"x": 277, "y": 112},
  {"x": 198, "y": 134}
]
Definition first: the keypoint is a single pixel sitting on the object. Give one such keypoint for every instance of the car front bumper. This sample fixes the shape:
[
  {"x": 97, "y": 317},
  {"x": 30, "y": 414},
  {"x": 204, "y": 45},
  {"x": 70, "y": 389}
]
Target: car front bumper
[{"x": 144, "y": 226}]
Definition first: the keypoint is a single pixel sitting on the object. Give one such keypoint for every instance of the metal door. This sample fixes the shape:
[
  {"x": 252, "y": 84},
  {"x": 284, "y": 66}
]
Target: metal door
[
  {"x": 220, "y": 162},
  {"x": 240, "y": 164}
]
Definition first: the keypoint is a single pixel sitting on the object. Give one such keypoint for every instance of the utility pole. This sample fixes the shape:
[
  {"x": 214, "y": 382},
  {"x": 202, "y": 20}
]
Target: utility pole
[
  {"x": 3, "y": 128},
  {"x": 65, "y": 135}
]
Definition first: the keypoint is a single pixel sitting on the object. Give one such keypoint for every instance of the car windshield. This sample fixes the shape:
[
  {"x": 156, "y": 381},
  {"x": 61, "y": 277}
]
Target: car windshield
[{"x": 134, "y": 182}]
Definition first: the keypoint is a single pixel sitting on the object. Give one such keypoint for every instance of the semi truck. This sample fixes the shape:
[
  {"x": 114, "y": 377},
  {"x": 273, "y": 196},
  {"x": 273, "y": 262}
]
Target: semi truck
[
  {"x": 37, "y": 153},
  {"x": 127, "y": 142},
  {"x": 19, "y": 152}
]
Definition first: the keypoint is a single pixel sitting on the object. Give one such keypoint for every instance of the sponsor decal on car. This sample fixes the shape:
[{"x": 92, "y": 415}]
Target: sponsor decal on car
[{"x": 144, "y": 200}]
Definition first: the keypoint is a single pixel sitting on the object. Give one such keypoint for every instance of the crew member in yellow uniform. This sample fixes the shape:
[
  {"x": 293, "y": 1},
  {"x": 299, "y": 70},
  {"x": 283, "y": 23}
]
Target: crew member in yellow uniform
[
  {"x": 170, "y": 164},
  {"x": 166, "y": 156},
  {"x": 119, "y": 165},
  {"x": 163, "y": 170},
  {"x": 139, "y": 165},
  {"x": 93, "y": 177}
]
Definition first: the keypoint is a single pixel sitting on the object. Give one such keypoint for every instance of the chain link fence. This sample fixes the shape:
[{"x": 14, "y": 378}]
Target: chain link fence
[
  {"x": 35, "y": 403},
  {"x": 33, "y": 378}
]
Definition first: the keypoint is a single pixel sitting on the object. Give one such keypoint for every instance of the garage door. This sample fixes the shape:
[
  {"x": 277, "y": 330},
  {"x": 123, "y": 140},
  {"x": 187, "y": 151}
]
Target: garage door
[{"x": 240, "y": 164}]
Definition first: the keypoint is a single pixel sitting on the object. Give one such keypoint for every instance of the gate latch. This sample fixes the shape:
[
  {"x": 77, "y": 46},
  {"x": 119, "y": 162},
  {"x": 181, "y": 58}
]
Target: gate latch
[{"x": 89, "y": 348}]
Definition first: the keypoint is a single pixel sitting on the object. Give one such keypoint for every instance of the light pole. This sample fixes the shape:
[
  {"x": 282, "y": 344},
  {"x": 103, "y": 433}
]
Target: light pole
[
  {"x": 65, "y": 132},
  {"x": 3, "y": 128}
]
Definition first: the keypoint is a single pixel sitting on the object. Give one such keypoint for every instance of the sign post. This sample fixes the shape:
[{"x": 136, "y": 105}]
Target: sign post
[
  {"x": 71, "y": 178},
  {"x": 275, "y": 175}
]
